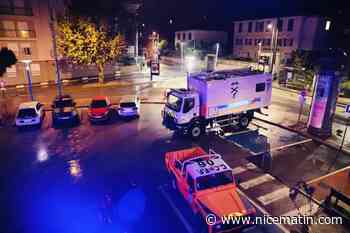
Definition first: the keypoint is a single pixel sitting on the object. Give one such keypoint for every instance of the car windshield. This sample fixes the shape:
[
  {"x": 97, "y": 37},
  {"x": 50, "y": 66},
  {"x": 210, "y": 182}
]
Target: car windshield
[
  {"x": 214, "y": 180},
  {"x": 127, "y": 105},
  {"x": 174, "y": 102},
  {"x": 64, "y": 103},
  {"x": 27, "y": 113},
  {"x": 98, "y": 104}
]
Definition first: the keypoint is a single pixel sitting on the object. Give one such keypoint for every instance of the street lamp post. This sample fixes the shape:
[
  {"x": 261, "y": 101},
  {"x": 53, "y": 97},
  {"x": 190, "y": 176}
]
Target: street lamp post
[
  {"x": 182, "y": 55},
  {"x": 28, "y": 74},
  {"x": 274, "y": 38},
  {"x": 217, "y": 54}
]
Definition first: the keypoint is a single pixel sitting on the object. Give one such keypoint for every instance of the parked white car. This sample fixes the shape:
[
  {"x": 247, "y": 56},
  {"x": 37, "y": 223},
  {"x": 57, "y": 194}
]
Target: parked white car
[
  {"x": 30, "y": 113},
  {"x": 129, "y": 107}
]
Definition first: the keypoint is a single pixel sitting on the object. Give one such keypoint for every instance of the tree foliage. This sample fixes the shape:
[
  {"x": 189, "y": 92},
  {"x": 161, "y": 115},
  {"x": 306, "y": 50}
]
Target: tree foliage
[
  {"x": 7, "y": 59},
  {"x": 82, "y": 42}
]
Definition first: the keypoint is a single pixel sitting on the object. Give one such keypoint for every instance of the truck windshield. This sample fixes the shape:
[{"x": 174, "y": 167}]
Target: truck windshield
[
  {"x": 214, "y": 180},
  {"x": 174, "y": 102},
  {"x": 64, "y": 103}
]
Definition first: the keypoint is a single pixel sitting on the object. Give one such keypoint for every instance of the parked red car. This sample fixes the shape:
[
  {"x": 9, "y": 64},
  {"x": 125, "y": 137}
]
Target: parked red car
[{"x": 100, "y": 109}]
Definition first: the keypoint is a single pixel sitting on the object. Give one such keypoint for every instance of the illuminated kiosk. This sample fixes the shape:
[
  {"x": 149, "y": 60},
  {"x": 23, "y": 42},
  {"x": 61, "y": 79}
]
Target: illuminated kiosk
[{"x": 324, "y": 101}]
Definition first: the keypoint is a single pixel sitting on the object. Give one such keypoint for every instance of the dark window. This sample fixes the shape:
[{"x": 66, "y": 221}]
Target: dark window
[
  {"x": 240, "y": 27},
  {"x": 127, "y": 105},
  {"x": 246, "y": 42},
  {"x": 268, "y": 42},
  {"x": 27, "y": 51},
  {"x": 190, "y": 36},
  {"x": 260, "y": 87},
  {"x": 291, "y": 42},
  {"x": 280, "y": 25},
  {"x": 250, "y": 41},
  {"x": 99, "y": 104},
  {"x": 290, "y": 25},
  {"x": 183, "y": 36},
  {"x": 237, "y": 41},
  {"x": 250, "y": 27},
  {"x": 261, "y": 26},
  {"x": 279, "y": 42},
  {"x": 256, "y": 42},
  {"x": 188, "y": 105},
  {"x": 178, "y": 36},
  {"x": 285, "y": 42}
]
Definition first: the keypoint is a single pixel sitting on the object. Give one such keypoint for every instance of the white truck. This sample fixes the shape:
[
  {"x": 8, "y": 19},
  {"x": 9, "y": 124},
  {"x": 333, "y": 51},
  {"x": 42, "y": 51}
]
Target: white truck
[{"x": 217, "y": 99}]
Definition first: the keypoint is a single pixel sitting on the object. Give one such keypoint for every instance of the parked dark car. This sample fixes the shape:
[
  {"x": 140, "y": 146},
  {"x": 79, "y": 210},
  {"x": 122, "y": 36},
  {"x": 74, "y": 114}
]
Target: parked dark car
[{"x": 64, "y": 111}]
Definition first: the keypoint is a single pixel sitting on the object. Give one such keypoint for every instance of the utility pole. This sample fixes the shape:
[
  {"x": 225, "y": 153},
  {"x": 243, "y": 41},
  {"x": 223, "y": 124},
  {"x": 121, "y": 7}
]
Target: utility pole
[{"x": 52, "y": 21}]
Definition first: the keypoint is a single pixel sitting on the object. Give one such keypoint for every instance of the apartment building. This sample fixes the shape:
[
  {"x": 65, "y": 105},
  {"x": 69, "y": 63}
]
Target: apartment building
[
  {"x": 200, "y": 38},
  {"x": 24, "y": 28},
  {"x": 252, "y": 37}
]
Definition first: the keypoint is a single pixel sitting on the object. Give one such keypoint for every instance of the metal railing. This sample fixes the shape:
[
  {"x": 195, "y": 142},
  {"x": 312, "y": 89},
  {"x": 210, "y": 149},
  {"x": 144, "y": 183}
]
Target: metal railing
[
  {"x": 17, "y": 33},
  {"x": 26, "y": 11}
]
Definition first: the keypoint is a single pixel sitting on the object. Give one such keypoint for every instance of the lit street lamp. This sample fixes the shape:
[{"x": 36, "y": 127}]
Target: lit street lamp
[{"x": 28, "y": 74}]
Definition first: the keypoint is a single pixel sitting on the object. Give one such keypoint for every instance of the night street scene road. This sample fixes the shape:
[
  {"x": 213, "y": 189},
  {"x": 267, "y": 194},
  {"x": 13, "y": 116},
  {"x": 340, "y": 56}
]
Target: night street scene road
[{"x": 156, "y": 116}]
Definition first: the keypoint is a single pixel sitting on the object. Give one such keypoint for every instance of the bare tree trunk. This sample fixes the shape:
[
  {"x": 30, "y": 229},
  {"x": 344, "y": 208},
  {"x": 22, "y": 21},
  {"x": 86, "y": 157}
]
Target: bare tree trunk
[{"x": 101, "y": 75}]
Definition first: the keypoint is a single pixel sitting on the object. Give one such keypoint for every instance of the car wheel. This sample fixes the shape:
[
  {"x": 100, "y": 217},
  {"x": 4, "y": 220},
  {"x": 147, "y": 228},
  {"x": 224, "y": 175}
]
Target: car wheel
[
  {"x": 243, "y": 121},
  {"x": 196, "y": 131}
]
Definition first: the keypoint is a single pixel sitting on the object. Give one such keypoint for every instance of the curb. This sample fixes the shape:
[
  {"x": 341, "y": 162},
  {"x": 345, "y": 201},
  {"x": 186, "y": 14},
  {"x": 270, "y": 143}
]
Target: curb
[{"x": 330, "y": 145}]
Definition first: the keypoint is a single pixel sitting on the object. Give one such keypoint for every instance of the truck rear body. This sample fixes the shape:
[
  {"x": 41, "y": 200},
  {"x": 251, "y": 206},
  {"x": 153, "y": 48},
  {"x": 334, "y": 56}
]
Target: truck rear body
[{"x": 231, "y": 92}]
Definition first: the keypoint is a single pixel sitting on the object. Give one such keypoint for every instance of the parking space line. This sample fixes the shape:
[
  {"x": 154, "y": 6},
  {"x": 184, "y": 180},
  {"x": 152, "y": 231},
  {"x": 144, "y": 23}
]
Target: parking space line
[
  {"x": 304, "y": 210},
  {"x": 257, "y": 181},
  {"x": 176, "y": 210},
  {"x": 274, "y": 196}
]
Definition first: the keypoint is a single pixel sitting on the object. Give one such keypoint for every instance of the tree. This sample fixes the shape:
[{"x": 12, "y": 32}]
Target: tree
[
  {"x": 82, "y": 42},
  {"x": 303, "y": 63},
  {"x": 7, "y": 59}
]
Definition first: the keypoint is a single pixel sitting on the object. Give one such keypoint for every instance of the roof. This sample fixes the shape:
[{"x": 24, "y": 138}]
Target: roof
[
  {"x": 31, "y": 104},
  {"x": 224, "y": 74},
  {"x": 204, "y": 165}
]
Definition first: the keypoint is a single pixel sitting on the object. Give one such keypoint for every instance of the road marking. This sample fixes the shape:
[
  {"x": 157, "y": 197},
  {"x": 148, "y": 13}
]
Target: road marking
[
  {"x": 177, "y": 211},
  {"x": 243, "y": 168},
  {"x": 304, "y": 210},
  {"x": 328, "y": 175},
  {"x": 262, "y": 210},
  {"x": 238, "y": 170},
  {"x": 274, "y": 196},
  {"x": 283, "y": 147},
  {"x": 257, "y": 181}
]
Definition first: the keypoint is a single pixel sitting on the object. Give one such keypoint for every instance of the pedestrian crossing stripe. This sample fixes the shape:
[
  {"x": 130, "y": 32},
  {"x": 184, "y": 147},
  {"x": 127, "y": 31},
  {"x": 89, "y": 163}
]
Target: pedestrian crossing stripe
[
  {"x": 274, "y": 196},
  {"x": 243, "y": 168},
  {"x": 257, "y": 181}
]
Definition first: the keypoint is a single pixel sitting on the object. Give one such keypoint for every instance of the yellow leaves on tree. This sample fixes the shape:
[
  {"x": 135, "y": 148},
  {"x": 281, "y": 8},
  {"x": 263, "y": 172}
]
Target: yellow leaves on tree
[{"x": 82, "y": 42}]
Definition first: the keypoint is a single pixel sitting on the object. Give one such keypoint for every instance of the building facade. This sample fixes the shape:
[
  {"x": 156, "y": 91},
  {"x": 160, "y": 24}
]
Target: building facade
[
  {"x": 254, "y": 37},
  {"x": 25, "y": 29},
  {"x": 200, "y": 38}
]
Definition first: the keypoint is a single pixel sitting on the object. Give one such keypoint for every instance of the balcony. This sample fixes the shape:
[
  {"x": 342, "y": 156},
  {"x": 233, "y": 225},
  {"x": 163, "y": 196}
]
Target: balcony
[
  {"x": 24, "y": 34},
  {"x": 16, "y": 11}
]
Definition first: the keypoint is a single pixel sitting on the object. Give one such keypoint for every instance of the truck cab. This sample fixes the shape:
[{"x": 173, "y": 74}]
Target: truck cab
[
  {"x": 207, "y": 183},
  {"x": 182, "y": 106}
]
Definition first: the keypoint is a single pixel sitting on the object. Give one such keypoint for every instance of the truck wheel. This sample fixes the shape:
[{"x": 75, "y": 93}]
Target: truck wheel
[
  {"x": 196, "y": 131},
  {"x": 244, "y": 121}
]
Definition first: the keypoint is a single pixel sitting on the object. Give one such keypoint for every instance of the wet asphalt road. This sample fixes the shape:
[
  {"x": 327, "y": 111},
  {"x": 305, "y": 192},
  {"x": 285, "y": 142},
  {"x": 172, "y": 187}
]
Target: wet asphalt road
[{"x": 59, "y": 180}]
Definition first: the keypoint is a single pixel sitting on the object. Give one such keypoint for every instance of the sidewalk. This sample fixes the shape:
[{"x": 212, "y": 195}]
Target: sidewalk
[{"x": 338, "y": 180}]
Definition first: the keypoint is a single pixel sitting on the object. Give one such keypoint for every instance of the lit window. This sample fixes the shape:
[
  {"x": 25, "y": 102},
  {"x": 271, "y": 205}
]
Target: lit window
[{"x": 328, "y": 25}]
